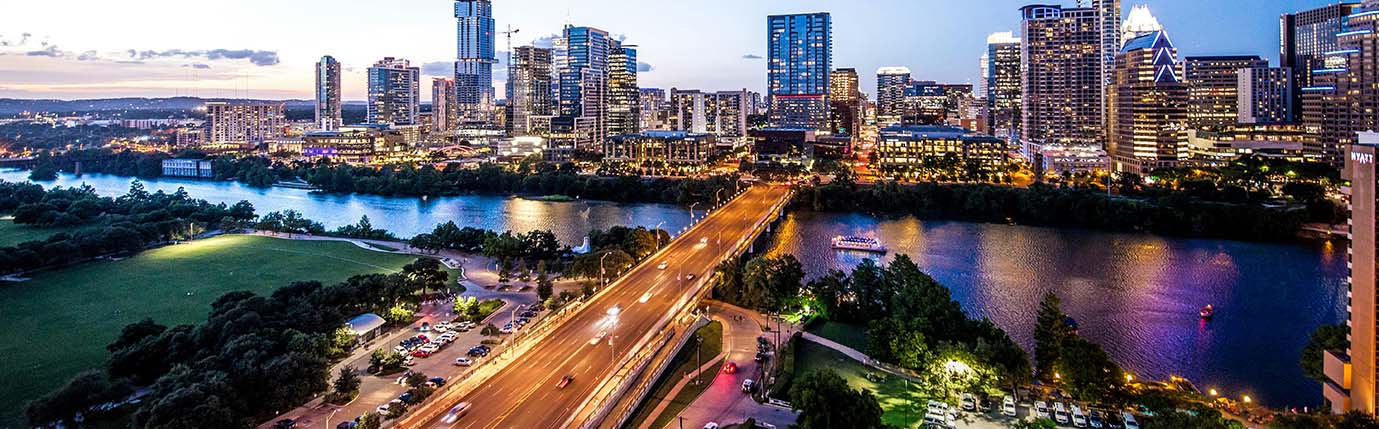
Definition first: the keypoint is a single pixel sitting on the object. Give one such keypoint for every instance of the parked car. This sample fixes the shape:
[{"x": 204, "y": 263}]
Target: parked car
[
  {"x": 1079, "y": 419},
  {"x": 1060, "y": 413},
  {"x": 749, "y": 386},
  {"x": 968, "y": 402},
  {"x": 464, "y": 361},
  {"x": 455, "y": 413},
  {"x": 711, "y": 425},
  {"x": 1130, "y": 422},
  {"x": 1008, "y": 406},
  {"x": 348, "y": 424},
  {"x": 1094, "y": 420},
  {"x": 421, "y": 354},
  {"x": 405, "y": 397},
  {"x": 1041, "y": 409},
  {"x": 564, "y": 381},
  {"x": 478, "y": 352},
  {"x": 285, "y": 424},
  {"x": 437, "y": 381},
  {"x": 729, "y": 368}
]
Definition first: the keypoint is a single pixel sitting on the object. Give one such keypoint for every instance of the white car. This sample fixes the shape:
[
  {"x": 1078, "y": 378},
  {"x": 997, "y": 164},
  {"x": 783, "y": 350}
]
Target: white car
[
  {"x": 1041, "y": 409},
  {"x": 1079, "y": 419},
  {"x": 1008, "y": 406},
  {"x": 711, "y": 425},
  {"x": 464, "y": 361},
  {"x": 1060, "y": 413},
  {"x": 663, "y": 265},
  {"x": 1130, "y": 422},
  {"x": 969, "y": 402},
  {"x": 456, "y": 412},
  {"x": 598, "y": 337}
]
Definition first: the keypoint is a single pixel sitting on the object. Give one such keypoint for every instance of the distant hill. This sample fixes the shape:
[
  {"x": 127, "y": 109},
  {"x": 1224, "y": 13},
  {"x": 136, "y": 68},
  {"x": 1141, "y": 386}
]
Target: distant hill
[{"x": 12, "y": 106}]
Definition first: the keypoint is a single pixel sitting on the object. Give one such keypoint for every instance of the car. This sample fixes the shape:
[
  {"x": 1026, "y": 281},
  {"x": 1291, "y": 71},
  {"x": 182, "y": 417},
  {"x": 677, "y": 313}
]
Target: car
[
  {"x": 598, "y": 337},
  {"x": 1079, "y": 419},
  {"x": 455, "y": 413},
  {"x": 1041, "y": 409},
  {"x": 663, "y": 265},
  {"x": 421, "y": 354},
  {"x": 348, "y": 424},
  {"x": 284, "y": 424},
  {"x": 938, "y": 408},
  {"x": 689, "y": 276},
  {"x": 425, "y": 327},
  {"x": 564, "y": 381},
  {"x": 507, "y": 329},
  {"x": 406, "y": 397},
  {"x": 749, "y": 386},
  {"x": 437, "y": 381},
  {"x": 1094, "y": 420},
  {"x": 409, "y": 361},
  {"x": 763, "y": 425},
  {"x": 464, "y": 361},
  {"x": 985, "y": 405},
  {"x": 729, "y": 368},
  {"x": 383, "y": 409},
  {"x": 1113, "y": 421},
  {"x": 703, "y": 240},
  {"x": 1008, "y": 406},
  {"x": 711, "y": 425},
  {"x": 477, "y": 352},
  {"x": 431, "y": 348},
  {"x": 1130, "y": 422},
  {"x": 1060, "y": 413},
  {"x": 968, "y": 402},
  {"x": 527, "y": 313},
  {"x": 933, "y": 421},
  {"x": 424, "y": 339}
]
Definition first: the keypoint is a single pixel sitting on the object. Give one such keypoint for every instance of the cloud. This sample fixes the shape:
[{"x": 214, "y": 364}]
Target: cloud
[
  {"x": 751, "y": 56},
  {"x": 438, "y": 68},
  {"x": 546, "y": 41},
  {"x": 89, "y": 56},
  {"x": 49, "y": 51},
  {"x": 258, "y": 58},
  {"x": 644, "y": 67}
]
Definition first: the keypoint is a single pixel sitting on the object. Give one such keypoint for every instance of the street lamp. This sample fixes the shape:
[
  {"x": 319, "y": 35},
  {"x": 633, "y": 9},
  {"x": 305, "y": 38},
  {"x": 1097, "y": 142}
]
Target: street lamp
[
  {"x": 326, "y": 424},
  {"x": 656, "y": 231},
  {"x": 602, "y": 271},
  {"x": 696, "y": 203}
]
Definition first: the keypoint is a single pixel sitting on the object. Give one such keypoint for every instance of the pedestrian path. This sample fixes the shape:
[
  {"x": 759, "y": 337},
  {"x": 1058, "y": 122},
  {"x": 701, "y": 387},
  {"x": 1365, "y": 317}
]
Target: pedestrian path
[{"x": 710, "y": 364}]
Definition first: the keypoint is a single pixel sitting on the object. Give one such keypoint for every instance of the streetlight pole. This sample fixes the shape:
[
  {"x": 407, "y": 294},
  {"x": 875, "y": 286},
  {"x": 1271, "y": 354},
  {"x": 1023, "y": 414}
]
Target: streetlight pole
[
  {"x": 326, "y": 424},
  {"x": 696, "y": 203},
  {"x": 602, "y": 271},
  {"x": 657, "y": 232},
  {"x": 698, "y": 357}
]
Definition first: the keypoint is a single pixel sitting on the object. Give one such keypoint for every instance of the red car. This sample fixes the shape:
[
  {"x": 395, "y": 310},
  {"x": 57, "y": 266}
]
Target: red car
[
  {"x": 729, "y": 368},
  {"x": 421, "y": 353},
  {"x": 564, "y": 381}
]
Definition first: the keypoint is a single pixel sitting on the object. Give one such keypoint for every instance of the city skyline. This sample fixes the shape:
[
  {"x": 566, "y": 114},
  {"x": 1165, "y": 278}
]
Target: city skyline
[{"x": 50, "y": 55}]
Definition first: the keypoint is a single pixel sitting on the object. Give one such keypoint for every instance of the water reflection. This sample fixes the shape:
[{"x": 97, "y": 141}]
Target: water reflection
[{"x": 1137, "y": 295}]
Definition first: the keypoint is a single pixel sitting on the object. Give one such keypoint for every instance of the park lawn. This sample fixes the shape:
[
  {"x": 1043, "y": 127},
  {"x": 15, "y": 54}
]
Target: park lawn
[
  {"x": 901, "y": 402},
  {"x": 850, "y": 335},
  {"x": 680, "y": 367},
  {"x": 58, "y": 324},
  {"x": 12, "y": 233}
]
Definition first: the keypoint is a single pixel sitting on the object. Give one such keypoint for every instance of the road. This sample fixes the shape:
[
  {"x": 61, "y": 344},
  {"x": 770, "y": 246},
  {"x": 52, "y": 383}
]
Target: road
[
  {"x": 723, "y": 401},
  {"x": 525, "y": 395}
]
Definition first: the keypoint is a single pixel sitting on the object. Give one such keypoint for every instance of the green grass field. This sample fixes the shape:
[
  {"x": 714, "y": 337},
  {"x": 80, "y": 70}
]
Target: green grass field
[
  {"x": 854, "y": 336},
  {"x": 12, "y": 234},
  {"x": 58, "y": 324},
  {"x": 900, "y": 400},
  {"x": 680, "y": 366}
]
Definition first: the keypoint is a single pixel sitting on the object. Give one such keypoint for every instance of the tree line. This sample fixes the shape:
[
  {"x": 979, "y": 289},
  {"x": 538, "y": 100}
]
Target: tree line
[{"x": 104, "y": 226}]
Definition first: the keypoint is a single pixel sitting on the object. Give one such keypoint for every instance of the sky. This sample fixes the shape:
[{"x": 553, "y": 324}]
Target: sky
[{"x": 268, "y": 48}]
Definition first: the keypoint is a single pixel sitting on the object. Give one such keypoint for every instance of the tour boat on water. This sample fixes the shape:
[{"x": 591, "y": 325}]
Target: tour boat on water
[
  {"x": 858, "y": 243},
  {"x": 1207, "y": 312}
]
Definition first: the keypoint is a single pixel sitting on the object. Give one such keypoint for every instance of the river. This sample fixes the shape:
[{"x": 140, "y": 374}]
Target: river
[{"x": 1137, "y": 295}]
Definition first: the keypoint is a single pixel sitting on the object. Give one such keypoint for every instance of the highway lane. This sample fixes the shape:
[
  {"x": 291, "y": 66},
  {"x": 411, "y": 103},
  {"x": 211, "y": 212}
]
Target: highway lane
[{"x": 525, "y": 395}]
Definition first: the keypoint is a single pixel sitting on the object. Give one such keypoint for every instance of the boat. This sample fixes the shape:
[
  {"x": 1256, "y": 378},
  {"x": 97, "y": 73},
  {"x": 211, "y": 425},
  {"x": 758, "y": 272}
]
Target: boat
[
  {"x": 858, "y": 243},
  {"x": 1207, "y": 312}
]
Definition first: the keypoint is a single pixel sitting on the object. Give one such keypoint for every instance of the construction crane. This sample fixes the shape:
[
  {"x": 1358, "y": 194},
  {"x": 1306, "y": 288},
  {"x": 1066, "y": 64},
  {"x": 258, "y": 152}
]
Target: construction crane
[{"x": 509, "y": 34}]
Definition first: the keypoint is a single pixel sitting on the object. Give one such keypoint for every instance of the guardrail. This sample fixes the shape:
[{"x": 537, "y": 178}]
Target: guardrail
[{"x": 644, "y": 387}]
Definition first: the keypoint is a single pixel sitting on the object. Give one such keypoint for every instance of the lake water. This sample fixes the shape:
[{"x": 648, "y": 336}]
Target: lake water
[{"x": 1137, "y": 295}]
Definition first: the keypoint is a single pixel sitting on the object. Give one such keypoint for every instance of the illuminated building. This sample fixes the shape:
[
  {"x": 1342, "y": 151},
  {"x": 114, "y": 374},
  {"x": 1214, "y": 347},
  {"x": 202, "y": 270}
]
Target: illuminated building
[
  {"x": 1308, "y": 35},
  {"x": 328, "y": 113},
  {"x": 1265, "y": 95},
  {"x": 1272, "y": 140},
  {"x": 890, "y": 94},
  {"x": 722, "y": 114},
  {"x": 925, "y": 103},
  {"x": 1344, "y": 93},
  {"x": 1003, "y": 86},
  {"x": 196, "y": 168},
  {"x": 799, "y": 59},
  {"x": 1213, "y": 88},
  {"x": 1352, "y": 379},
  {"x": 581, "y": 57},
  {"x": 394, "y": 92},
  {"x": 655, "y": 112},
  {"x": 845, "y": 102},
  {"x": 1063, "y": 65},
  {"x": 914, "y": 151},
  {"x": 671, "y": 147},
  {"x": 528, "y": 89},
  {"x": 1148, "y": 107},
  {"x": 445, "y": 109},
  {"x": 350, "y": 144},
  {"x": 623, "y": 104},
  {"x": 243, "y": 124},
  {"x": 474, "y": 37}
]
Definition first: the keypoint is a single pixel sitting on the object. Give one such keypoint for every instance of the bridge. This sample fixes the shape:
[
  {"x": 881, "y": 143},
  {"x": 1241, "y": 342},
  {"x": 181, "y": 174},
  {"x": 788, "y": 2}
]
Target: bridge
[
  {"x": 600, "y": 342},
  {"x": 27, "y": 162}
]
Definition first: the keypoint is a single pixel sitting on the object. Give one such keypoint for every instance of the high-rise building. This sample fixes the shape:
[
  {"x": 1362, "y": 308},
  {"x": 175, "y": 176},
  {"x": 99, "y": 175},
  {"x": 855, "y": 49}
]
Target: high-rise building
[
  {"x": 845, "y": 99},
  {"x": 474, "y": 59},
  {"x": 1148, "y": 107},
  {"x": 445, "y": 109},
  {"x": 1112, "y": 37},
  {"x": 843, "y": 86},
  {"x": 655, "y": 109},
  {"x": 1353, "y": 378},
  {"x": 1062, "y": 89},
  {"x": 1214, "y": 89},
  {"x": 528, "y": 89},
  {"x": 1341, "y": 100},
  {"x": 623, "y": 102},
  {"x": 582, "y": 63},
  {"x": 394, "y": 92},
  {"x": 890, "y": 94},
  {"x": 1307, "y": 35},
  {"x": 1265, "y": 95},
  {"x": 1003, "y": 85},
  {"x": 243, "y": 124},
  {"x": 800, "y": 57},
  {"x": 328, "y": 112},
  {"x": 722, "y": 114}
]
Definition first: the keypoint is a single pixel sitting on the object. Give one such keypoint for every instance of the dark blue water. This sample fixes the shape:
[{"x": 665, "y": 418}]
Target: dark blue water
[{"x": 1136, "y": 295}]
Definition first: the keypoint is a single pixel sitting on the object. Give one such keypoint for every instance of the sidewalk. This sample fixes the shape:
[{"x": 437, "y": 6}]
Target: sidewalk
[{"x": 723, "y": 401}]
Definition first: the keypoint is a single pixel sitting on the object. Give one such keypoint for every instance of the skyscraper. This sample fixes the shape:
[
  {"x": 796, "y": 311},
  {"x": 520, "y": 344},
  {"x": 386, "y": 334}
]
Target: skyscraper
[
  {"x": 394, "y": 92},
  {"x": 1307, "y": 35},
  {"x": 243, "y": 124},
  {"x": 1353, "y": 377},
  {"x": 655, "y": 109},
  {"x": 845, "y": 99},
  {"x": 582, "y": 63},
  {"x": 843, "y": 86},
  {"x": 328, "y": 113},
  {"x": 1148, "y": 106},
  {"x": 1108, "y": 21},
  {"x": 799, "y": 58},
  {"x": 1214, "y": 89},
  {"x": 623, "y": 104},
  {"x": 474, "y": 58},
  {"x": 1341, "y": 100},
  {"x": 1062, "y": 89},
  {"x": 1265, "y": 95},
  {"x": 890, "y": 94},
  {"x": 528, "y": 89},
  {"x": 1003, "y": 85},
  {"x": 444, "y": 108}
]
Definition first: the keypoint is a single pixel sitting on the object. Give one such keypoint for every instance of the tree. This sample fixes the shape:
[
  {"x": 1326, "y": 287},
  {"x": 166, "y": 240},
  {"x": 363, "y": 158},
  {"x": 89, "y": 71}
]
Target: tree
[
  {"x": 1050, "y": 331},
  {"x": 1357, "y": 420},
  {"x": 544, "y": 287},
  {"x": 490, "y": 331},
  {"x": 370, "y": 420},
  {"x": 1088, "y": 371},
  {"x": 346, "y": 385},
  {"x": 824, "y": 401},
  {"x": 426, "y": 274},
  {"x": 768, "y": 281},
  {"x": 1325, "y": 338},
  {"x": 1040, "y": 423},
  {"x": 86, "y": 389}
]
